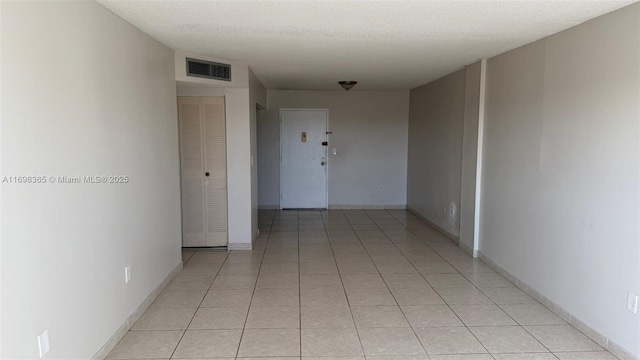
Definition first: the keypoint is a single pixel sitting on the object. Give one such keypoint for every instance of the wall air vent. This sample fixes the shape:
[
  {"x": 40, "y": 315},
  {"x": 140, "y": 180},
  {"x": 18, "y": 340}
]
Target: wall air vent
[{"x": 208, "y": 69}]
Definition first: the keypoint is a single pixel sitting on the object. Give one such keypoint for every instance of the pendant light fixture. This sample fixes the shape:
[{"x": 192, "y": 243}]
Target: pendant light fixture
[{"x": 347, "y": 84}]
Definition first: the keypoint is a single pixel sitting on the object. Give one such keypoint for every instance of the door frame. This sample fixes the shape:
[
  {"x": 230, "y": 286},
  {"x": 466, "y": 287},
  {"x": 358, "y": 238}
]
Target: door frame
[{"x": 326, "y": 172}]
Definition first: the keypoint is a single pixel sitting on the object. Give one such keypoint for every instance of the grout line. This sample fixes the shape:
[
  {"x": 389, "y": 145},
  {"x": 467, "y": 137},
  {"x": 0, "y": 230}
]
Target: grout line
[
  {"x": 395, "y": 241},
  {"x": 252, "y": 293},
  {"x": 299, "y": 289},
  {"x": 344, "y": 289},
  {"x": 201, "y": 300}
]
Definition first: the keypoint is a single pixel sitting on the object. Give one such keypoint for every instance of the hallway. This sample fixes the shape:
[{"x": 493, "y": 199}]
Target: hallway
[{"x": 348, "y": 284}]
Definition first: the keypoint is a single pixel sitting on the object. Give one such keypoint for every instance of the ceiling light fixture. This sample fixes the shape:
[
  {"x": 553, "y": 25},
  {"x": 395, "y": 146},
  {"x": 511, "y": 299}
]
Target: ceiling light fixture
[{"x": 347, "y": 84}]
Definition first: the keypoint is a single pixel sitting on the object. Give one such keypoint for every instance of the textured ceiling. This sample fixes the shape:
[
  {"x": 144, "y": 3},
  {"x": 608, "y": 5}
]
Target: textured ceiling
[{"x": 383, "y": 45}]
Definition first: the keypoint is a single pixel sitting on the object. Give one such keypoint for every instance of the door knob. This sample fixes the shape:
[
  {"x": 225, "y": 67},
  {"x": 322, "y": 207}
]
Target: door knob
[
  {"x": 206, "y": 174},
  {"x": 323, "y": 162}
]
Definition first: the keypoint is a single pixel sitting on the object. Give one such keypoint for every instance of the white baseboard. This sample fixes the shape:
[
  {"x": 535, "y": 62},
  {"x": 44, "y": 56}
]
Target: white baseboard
[
  {"x": 468, "y": 249},
  {"x": 594, "y": 335},
  {"x": 239, "y": 246},
  {"x": 126, "y": 326},
  {"x": 444, "y": 232}
]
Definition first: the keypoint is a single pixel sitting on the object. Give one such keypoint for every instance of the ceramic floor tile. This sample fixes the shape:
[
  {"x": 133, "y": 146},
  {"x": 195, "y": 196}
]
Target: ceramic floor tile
[
  {"x": 220, "y": 318},
  {"x": 432, "y": 315},
  {"x": 417, "y": 296},
  {"x": 390, "y": 341},
  {"x": 404, "y": 281},
  {"x": 486, "y": 280},
  {"x": 447, "y": 280},
  {"x": 595, "y": 355},
  {"x": 278, "y": 281},
  {"x": 473, "y": 266},
  {"x": 318, "y": 268},
  {"x": 436, "y": 268},
  {"x": 482, "y": 315},
  {"x": 379, "y": 296},
  {"x": 376, "y": 282},
  {"x": 276, "y": 297},
  {"x": 190, "y": 283},
  {"x": 532, "y": 314},
  {"x": 462, "y": 357},
  {"x": 179, "y": 298},
  {"x": 225, "y": 298},
  {"x": 449, "y": 340},
  {"x": 239, "y": 269},
  {"x": 363, "y": 281},
  {"x": 558, "y": 338},
  {"x": 333, "y": 296},
  {"x": 508, "y": 295},
  {"x": 164, "y": 319},
  {"x": 530, "y": 356},
  {"x": 211, "y": 257},
  {"x": 234, "y": 282},
  {"x": 336, "y": 317},
  {"x": 270, "y": 342},
  {"x": 146, "y": 344},
  {"x": 279, "y": 268},
  {"x": 208, "y": 344},
  {"x": 262, "y": 317},
  {"x": 200, "y": 269},
  {"x": 398, "y": 357},
  {"x": 333, "y": 358},
  {"x": 357, "y": 268},
  {"x": 320, "y": 281},
  {"x": 378, "y": 316},
  {"x": 463, "y": 295},
  {"x": 507, "y": 339},
  {"x": 330, "y": 342}
]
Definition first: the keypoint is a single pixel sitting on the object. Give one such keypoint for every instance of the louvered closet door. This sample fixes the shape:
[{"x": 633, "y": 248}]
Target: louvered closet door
[
  {"x": 203, "y": 167},
  {"x": 216, "y": 166},
  {"x": 192, "y": 171}
]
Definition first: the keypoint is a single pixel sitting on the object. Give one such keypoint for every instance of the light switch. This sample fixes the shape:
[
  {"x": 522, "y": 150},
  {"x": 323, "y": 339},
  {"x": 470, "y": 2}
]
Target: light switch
[{"x": 304, "y": 137}]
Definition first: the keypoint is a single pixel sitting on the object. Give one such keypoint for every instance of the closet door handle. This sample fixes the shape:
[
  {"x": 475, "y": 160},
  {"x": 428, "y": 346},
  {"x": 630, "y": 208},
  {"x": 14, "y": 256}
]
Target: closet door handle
[{"x": 206, "y": 174}]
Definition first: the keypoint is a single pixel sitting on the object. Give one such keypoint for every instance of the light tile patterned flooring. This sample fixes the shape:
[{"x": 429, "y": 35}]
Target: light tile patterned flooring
[{"x": 348, "y": 284}]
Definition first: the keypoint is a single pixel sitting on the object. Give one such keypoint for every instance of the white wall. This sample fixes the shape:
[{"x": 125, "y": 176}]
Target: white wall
[
  {"x": 560, "y": 194},
  {"x": 238, "y": 158},
  {"x": 257, "y": 98},
  {"x": 472, "y": 113},
  {"x": 436, "y": 122},
  {"x": 85, "y": 93},
  {"x": 369, "y": 134},
  {"x": 239, "y": 95}
]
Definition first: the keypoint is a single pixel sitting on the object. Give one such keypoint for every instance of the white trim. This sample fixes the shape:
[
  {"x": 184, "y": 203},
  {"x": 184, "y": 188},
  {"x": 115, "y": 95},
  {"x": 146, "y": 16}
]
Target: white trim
[
  {"x": 137, "y": 313},
  {"x": 478, "y": 197},
  {"x": 326, "y": 172}
]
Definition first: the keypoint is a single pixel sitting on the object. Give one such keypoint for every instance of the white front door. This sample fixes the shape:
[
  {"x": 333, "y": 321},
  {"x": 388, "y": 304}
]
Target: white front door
[{"x": 303, "y": 167}]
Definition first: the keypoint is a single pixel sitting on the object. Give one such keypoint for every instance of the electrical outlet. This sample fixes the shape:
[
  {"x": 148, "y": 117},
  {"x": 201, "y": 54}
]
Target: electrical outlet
[
  {"x": 452, "y": 210},
  {"x": 632, "y": 302},
  {"x": 381, "y": 188},
  {"x": 43, "y": 343},
  {"x": 127, "y": 274}
]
